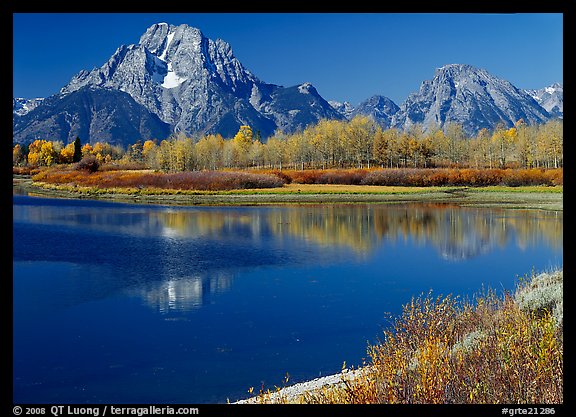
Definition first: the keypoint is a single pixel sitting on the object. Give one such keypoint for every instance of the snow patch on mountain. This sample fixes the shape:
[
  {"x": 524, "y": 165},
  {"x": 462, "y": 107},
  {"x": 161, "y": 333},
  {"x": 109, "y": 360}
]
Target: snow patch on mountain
[
  {"x": 169, "y": 39},
  {"x": 22, "y": 106},
  {"x": 344, "y": 108},
  {"x": 305, "y": 88},
  {"x": 550, "y": 98},
  {"x": 172, "y": 80}
]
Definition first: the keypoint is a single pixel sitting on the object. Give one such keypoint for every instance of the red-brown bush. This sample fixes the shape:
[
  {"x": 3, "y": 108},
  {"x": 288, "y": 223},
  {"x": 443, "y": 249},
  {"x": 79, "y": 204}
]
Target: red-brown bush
[{"x": 196, "y": 180}]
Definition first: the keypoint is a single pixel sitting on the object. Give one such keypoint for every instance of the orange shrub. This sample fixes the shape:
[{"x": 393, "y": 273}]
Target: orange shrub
[{"x": 196, "y": 180}]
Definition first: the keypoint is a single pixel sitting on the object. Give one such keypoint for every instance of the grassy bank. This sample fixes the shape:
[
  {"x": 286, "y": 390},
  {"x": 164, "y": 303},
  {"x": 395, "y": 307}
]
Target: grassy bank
[
  {"x": 443, "y": 350},
  {"x": 542, "y": 197},
  {"x": 515, "y": 188}
]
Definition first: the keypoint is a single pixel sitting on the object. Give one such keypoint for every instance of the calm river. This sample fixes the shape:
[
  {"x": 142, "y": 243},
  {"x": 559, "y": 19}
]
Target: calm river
[{"x": 120, "y": 303}]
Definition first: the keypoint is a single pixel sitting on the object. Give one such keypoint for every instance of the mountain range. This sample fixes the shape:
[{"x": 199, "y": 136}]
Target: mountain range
[{"x": 177, "y": 80}]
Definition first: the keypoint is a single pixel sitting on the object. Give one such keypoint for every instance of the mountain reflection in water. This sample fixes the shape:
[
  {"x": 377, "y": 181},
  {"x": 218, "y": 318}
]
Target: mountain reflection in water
[
  {"x": 185, "y": 272},
  {"x": 162, "y": 304}
]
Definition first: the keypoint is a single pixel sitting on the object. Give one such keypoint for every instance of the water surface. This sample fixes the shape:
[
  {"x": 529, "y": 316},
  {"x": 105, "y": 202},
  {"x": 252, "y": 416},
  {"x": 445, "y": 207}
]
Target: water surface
[{"x": 120, "y": 303}]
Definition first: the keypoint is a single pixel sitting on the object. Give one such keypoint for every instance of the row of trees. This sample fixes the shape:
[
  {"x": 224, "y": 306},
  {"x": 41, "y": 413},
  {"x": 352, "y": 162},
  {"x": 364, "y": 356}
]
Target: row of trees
[
  {"x": 43, "y": 152},
  {"x": 359, "y": 143}
]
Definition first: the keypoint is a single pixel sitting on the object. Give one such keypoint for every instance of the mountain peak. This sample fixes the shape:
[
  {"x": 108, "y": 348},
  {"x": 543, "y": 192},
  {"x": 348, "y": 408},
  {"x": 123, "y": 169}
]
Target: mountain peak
[
  {"x": 456, "y": 66},
  {"x": 154, "y": 37},
  {"x": 461, "y": 71},
  {"x": 197, "y": 85},
  {"x": 307, "y": 88},
  {"x": 470, "y": 96}
]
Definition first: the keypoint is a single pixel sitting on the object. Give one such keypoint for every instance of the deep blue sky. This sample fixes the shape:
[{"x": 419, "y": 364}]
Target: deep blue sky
[{"x": 346, "y": 56}]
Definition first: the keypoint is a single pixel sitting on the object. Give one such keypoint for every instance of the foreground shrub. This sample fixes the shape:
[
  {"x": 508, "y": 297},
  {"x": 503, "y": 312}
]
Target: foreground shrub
[{"x": 441, "y": 350}]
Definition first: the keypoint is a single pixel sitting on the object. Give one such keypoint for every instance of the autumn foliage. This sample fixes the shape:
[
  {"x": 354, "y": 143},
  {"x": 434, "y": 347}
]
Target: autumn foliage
[
  {"x": 197, "y": 180},
  {"x": 88, "y": 174},
  {"x": 422, "y": 177},
  {"x": 355, "y": 152},
  {"x": 445, "y": 350}
]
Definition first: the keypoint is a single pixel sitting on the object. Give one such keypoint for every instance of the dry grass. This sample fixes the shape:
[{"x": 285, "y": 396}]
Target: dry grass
[
  {"x": 346, "y": 189},
  {"x": 442, "y": 350}
]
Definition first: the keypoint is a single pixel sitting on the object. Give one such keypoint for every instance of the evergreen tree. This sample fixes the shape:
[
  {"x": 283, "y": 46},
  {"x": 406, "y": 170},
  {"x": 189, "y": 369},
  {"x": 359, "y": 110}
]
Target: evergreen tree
[{"x": 77, "y": 150}]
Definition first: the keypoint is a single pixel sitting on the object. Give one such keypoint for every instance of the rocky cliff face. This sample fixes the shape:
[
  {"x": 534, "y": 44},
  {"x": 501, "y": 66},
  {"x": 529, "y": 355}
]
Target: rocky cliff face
[
  {"x": 381, "y": 108},
  {"x": 468, "y": 96}
]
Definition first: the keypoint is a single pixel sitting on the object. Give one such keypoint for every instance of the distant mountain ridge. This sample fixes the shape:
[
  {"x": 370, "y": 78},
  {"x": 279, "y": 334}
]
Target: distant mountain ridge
[
  {"x": 469, "y": 96},
  {"x": 380, "y": 108},
  {"x": 177, "y": 80},
  {"x": 104, "y": 115}
]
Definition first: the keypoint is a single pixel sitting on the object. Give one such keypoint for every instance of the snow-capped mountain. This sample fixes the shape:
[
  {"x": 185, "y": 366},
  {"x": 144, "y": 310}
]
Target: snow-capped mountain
[
  {"x": 551, "y": 98},
  {"x": 469, "y": 96},
  {"x": 196, "y": 85}
]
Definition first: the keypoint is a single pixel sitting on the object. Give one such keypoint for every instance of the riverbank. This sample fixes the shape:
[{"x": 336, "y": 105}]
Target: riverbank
[
  {"x": 500, "y": 350},
  {"x": 527, "y": 197}
]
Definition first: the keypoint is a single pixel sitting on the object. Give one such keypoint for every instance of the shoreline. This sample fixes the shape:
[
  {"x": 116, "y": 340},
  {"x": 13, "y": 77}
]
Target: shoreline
[
  {"x": 292, "y": 393},
  {"x": 543, "y": 292},
  {"x": 504, "y": 197}
]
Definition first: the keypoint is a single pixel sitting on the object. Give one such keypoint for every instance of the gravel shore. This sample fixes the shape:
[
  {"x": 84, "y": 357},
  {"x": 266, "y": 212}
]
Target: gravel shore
[{"x": 294, "y": 393}]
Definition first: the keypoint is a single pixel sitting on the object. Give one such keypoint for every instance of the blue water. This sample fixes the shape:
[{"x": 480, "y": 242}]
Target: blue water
[{"x": 119, "y": 303}]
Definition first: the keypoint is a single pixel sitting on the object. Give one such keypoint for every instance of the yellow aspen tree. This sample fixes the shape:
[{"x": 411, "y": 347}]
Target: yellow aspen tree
[
  {"x": 503, "y": 139},
  {"x": 360, "y": 139},
  {"x": 148, "y": 152},
  {"x": 256, "y": 153},
  {"x": 276, "y": 150},
  {"x": 162, "y": 156},
  {"x": 34, "y": 152},
  {"x": 380, "y": 147},
  {"x": 87, "y": 149},
  {"x": 48, "y": 154},
  {"x": 184, "y": 154},
  {"x": 242, "y": 142},
  {"x": 67, "y": 153}
]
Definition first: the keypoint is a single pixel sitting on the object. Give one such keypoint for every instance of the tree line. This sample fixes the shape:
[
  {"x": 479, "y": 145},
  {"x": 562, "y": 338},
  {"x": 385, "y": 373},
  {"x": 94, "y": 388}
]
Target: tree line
[{"x": 357, "y": 143}]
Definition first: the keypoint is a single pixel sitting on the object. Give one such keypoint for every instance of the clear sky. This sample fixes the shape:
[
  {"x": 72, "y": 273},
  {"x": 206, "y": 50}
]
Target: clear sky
[{"x": 346, "y": 56}]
